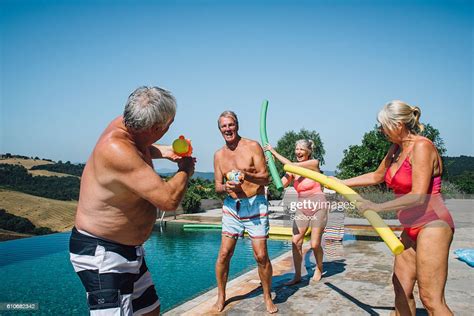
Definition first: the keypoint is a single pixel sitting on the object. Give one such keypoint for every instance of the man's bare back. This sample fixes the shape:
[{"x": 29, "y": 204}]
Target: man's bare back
[{"x": 118, "y": 197}]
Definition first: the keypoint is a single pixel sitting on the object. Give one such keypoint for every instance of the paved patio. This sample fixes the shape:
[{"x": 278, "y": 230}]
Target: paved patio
[{"x": 357, "y": 282}]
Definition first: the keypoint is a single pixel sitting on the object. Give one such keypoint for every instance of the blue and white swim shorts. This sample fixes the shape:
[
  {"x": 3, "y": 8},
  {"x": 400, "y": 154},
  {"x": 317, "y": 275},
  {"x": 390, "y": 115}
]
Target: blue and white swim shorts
[{"x": 248, "y": 214}]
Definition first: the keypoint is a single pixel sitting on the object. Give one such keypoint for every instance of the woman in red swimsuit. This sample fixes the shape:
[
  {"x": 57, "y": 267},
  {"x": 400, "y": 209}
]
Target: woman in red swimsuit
[
  {"x": 412, "y": 169},
  {"x": 314, "y": 215}
]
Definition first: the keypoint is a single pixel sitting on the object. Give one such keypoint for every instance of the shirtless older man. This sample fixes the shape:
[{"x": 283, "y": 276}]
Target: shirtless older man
[
  {"x": 245, "y": 208},
  {"x": 120, "y": 192}
]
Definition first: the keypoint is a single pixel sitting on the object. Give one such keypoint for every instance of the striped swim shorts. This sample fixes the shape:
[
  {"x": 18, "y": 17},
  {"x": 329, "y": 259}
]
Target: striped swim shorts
[
  {"x": 115, "y": 276},
  {"x": 249, "y": 214}
]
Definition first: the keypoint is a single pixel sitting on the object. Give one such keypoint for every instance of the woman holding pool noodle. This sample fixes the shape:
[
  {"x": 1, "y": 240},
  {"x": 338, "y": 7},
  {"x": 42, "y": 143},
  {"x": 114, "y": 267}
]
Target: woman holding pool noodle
[
  {"x": 412, "y": 168},
  {"x": 314, "y": 216},
  {"x": 429, "y": 227},
  {"x": 381, "y": 228}
]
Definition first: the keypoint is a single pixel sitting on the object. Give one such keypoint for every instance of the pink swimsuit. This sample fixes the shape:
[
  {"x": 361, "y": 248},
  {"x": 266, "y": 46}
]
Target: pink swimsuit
[
  {"x": 306, "y": 187},
  {"x": 414, "y": 218},
  {"x": 309, "y": 190}
]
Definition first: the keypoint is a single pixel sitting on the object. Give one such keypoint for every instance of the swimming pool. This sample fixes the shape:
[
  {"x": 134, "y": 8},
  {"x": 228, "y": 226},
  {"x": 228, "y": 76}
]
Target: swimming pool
[{"x": 37, "y": 269}]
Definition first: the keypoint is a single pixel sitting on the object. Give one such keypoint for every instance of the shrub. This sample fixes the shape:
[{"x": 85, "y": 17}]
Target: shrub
[
  {"x": 376, "y": 195},
  {"x": 42, "y": 231},
  {"x": 450, "y": 190},
  {"x": 191, "y": 202},
  {"x": 273, "y": 193},
  {"x": 20, "y": 224}
]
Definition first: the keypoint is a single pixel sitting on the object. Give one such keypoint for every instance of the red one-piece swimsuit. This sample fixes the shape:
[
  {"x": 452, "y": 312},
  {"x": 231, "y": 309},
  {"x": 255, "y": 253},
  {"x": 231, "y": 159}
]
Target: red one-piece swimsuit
[{"x": 414, "y": 218}]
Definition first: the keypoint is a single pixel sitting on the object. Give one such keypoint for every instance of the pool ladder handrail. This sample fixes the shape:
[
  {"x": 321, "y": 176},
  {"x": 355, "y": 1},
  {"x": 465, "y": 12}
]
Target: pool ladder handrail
[{"x": 161, "y": 222}]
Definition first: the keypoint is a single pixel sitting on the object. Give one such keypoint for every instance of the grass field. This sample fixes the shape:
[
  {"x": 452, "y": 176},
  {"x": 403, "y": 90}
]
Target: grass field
[
  {"x": 28, "y": 163},
  {"x": 54, "y": 214}
]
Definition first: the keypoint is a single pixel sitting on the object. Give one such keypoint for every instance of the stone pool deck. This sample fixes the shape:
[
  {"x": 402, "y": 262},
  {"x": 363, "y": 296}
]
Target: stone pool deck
[{"x": 357, "y": 280}]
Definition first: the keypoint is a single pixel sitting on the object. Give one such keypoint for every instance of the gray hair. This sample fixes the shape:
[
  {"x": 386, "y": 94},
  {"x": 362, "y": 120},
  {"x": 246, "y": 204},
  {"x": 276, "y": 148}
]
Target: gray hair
[
  {"x": 230, "y": 114},
  {"x": 307, "y": 144},
  {"x": 400, "y": 112},
  {"x": 148, "y": 106}
]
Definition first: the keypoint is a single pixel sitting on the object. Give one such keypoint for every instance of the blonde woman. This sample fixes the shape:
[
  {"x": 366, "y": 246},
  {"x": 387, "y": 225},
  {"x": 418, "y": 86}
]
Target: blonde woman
[
  {"x": 314, "y": 217},
  {"x": 412, "y": 169}
]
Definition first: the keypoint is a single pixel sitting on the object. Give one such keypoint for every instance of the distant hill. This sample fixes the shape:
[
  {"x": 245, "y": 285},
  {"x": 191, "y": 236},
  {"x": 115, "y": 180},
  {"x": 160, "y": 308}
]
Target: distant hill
[
  {"x": 16, "y": 177},
  {"x": 455, "y": 166},
  {"x": 61, "y": 167},
  {"x": 329, "y": 173},
  {"x": 42, "y": 212},
  {"x": 35, "y": 167},
  {"x": 197, "y": 174},
  {"x": 460, "y": 171}
]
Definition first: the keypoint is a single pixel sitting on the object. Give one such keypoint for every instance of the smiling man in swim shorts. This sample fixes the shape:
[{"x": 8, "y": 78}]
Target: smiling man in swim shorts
[{"x": 245, "y": 208}]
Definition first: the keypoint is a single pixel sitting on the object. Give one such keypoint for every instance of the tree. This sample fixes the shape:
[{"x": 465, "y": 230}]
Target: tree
[
  {"x": 433, "y": 134},
  {"x": 191, "y": 202},
  {"x": 360, "y": 159},
  {"x": 286, "y": 147},
  {"x": 465, "y": 181}
]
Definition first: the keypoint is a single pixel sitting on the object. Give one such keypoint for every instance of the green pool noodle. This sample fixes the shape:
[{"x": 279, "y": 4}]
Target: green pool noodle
[
  {"x": 202, "y": 226},
  {"x": 263, "y": 136}
]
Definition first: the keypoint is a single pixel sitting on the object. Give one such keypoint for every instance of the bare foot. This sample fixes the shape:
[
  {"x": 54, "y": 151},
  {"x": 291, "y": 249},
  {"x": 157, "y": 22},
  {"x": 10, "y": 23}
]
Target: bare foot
[
  {"x": 293, "y": 281},
  {"x": 317, "y": 275},
  {"x": 271, "y": 308},
  {"x": 219, "y": 305}
]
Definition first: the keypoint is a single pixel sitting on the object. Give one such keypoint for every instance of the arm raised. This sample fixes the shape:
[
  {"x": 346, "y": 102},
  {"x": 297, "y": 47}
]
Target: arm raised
[
  {"x": 126, "y": 166},
  {"x": 375, "y": 177}
]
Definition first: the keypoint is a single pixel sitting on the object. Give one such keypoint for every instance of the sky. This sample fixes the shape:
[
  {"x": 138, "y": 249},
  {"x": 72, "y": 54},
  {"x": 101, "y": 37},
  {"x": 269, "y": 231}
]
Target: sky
[{"x": 67, "y": 68}]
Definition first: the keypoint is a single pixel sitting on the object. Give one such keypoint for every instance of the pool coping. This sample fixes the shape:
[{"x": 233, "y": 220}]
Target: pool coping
[
  {"x": 356, "y": 229},
  {"x": 236, "y": 290}
]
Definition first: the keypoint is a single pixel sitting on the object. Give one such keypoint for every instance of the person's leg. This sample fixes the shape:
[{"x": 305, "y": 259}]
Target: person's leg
[
  {"x": 232, "y": 228},
  {"x": 155, "y": 312},
  {"x": 222, "y": 269},
  {"x": 404, "y": 278},
  {"x": 265, "y": 271},
  {"x": 144, "y": 299},
  {"x": 258, "y": 227},
  {"x": 316, "y": 237},
  {"x": 433, "y": 245},
  {"x": 318, "y": 223},
  {"x": 299, "y": 230}
]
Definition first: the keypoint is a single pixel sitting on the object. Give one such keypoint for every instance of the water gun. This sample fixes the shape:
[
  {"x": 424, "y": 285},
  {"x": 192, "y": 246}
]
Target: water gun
[
  {"x": 233, "y": 176},
  {"x": 182, "y": 147}
]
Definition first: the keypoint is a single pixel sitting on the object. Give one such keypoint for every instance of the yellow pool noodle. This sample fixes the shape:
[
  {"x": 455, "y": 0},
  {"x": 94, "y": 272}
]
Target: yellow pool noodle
[{"x": 379, "y": 225}]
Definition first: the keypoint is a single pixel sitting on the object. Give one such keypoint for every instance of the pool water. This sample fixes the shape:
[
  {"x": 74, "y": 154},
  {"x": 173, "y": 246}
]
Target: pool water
[{"x": 37, "y": 269}]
